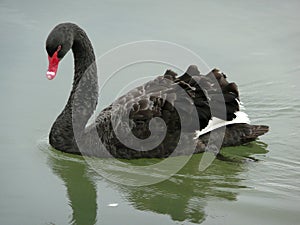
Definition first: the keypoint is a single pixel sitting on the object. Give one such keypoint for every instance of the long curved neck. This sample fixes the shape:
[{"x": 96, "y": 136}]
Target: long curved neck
[{"x": 83, "y": 97}]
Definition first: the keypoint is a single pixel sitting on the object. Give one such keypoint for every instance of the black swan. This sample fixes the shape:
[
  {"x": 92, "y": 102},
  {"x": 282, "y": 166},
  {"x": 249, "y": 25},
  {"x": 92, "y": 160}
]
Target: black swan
[{"x": 154, "y": 99}]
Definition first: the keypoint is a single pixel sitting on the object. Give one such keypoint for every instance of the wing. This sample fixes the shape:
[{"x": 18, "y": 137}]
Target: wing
[
  {"x": 167, "y": 95},
  {"x": 182, "y": 102}
]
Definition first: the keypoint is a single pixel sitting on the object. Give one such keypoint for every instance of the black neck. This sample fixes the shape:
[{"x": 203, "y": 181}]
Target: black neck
[{"x": 70, "y": 124}]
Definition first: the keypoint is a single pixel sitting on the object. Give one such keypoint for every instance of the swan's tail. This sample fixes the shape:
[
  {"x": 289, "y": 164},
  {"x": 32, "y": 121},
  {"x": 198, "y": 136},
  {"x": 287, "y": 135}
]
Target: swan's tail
[
  {"x": 237, "y": 134},
  {"x": 255, "y": 131}
]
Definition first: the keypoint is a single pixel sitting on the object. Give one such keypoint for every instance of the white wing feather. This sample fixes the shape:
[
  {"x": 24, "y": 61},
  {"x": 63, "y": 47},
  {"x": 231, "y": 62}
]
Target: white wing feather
[{"x": 214, "y": 123}]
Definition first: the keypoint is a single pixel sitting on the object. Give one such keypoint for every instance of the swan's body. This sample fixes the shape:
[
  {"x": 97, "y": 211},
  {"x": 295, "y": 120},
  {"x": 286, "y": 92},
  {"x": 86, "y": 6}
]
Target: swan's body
[{"x": 154, "y": 99}]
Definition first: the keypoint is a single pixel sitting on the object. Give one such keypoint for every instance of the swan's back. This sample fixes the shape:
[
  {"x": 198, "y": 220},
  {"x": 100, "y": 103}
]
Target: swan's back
[{"x": 191, "y": 95}]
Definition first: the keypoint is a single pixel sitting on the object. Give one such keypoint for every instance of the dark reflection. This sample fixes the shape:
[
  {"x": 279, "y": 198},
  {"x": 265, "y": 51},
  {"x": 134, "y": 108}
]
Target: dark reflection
[
  {"x": 183, "y": 197},
  {"x": 81, "y": 190}
]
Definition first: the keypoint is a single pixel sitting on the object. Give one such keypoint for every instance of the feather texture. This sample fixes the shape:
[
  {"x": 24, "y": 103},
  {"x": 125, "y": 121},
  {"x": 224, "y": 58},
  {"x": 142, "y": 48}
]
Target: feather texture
[{"x": 151, "y": 120}]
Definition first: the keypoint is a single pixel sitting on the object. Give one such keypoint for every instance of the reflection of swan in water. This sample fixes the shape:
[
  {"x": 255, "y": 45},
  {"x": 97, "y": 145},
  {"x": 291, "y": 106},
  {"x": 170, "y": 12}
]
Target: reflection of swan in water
[
  {"x": 81, "y": 190},
  {"x": 183, "y": 197}
]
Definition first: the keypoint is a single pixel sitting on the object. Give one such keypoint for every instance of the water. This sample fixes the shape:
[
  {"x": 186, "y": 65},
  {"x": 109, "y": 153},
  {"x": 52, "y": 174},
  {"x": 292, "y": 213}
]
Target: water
[{"x": 255, "y": 43}]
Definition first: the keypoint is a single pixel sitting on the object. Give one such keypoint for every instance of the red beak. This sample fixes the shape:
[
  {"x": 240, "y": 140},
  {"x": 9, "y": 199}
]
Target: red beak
[{"x": 53, "y": 65}]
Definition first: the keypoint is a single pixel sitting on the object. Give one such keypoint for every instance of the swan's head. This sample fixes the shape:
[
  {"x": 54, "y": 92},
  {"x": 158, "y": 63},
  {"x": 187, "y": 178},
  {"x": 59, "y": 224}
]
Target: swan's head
[{"x": 58, "y": 43}]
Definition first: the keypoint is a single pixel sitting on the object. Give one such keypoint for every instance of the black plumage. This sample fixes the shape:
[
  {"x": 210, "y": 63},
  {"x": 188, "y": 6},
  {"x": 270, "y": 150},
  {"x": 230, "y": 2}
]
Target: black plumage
[{"x": 169, "y": 97}]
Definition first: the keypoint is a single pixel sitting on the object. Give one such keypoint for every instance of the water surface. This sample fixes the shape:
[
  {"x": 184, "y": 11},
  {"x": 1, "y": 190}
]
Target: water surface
[{"x": 255, "y": 44}]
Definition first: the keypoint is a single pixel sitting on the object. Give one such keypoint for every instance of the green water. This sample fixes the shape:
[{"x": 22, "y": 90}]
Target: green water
[{"x": 256, "y": 44}]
